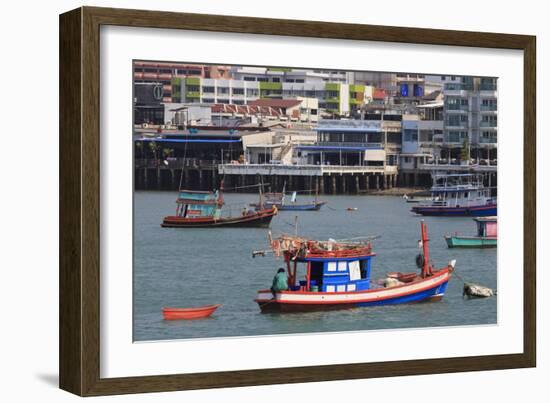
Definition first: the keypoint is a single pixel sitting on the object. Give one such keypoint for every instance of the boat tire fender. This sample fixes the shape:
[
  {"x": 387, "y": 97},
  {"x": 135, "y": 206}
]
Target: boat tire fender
[{"x": 420, "y": 261}]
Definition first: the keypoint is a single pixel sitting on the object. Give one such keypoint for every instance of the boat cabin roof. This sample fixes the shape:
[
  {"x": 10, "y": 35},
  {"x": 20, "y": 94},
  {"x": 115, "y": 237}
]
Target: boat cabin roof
[
  {"x": 198, "y": 197},
  {"x": 486, "y": 219}
]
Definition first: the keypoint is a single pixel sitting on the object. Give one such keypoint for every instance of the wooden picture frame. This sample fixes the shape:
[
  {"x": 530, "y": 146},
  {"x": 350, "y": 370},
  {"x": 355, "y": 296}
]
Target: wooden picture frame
[{"x": 79, "y": 200}]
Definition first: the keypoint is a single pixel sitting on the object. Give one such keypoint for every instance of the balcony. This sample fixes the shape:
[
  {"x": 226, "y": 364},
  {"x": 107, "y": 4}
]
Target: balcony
[
  {"x": 488, "y": 108},
  {"x": 487, "y": 87},
  {"x": 457, "y": 108},
  {"x": 488, "y": 124}
]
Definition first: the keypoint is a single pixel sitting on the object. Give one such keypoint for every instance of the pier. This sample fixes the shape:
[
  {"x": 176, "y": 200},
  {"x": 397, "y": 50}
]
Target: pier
[{"x": 206, "y": 175}]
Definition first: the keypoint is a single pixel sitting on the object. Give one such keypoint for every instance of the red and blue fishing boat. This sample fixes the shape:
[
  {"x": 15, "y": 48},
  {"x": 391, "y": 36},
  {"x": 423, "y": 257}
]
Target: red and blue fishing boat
[
  {"x": 338, "y": 276},
  {"x": 198, "y": 209},
  {"x": 458, "y": 195}
]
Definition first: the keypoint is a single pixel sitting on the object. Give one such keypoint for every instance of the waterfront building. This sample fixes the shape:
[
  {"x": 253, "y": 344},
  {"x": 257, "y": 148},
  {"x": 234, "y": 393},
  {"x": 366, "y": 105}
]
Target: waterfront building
[
  {"x": 350, "y": 143},
  {"x": 470, "y": 115},
  {"x": 148, "y": 107}
]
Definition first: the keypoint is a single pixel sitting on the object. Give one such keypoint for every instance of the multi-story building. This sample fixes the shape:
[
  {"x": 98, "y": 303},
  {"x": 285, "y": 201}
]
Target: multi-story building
[
  {"x": 401, "y": 88},
  {"x": 164, "y": 72},
  {"x": 470, "y": 115},
  {"x": 290, "y": 75},
  {"x": 334, "y": 98},
  {"x": 296, "y": 109},
  {"x": 351, "y": 143}
]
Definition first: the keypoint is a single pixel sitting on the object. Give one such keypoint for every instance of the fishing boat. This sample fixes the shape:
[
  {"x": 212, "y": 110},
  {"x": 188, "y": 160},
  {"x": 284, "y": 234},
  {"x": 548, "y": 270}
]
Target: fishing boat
[
  {"x": 338, "y": 276},
  {"x": 459, "y": 195},
  {"x": 486, "y": 236},
  {"x": 199, "y": 209},
  {"x": 417, "y": 197},
  {"x": 189, "y": 313},
  {"x": 279, "y": 200}
]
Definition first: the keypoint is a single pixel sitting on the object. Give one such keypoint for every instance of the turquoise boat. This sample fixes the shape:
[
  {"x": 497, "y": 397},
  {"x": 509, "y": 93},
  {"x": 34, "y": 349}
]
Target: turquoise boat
[{"x": 486, "y": 235}]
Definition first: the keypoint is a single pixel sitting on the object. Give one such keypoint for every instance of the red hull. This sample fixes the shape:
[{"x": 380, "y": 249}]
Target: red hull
[
  {"x": 259, "y": 219},
  {"x": 189, "y": 313}
]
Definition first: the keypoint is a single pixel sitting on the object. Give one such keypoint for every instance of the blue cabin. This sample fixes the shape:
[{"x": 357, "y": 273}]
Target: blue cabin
[
  {"x": 338, "y": 274},
  {"x": 193, "y": 204}
]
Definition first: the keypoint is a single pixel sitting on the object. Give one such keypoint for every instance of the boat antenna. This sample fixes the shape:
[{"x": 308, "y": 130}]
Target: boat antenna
[{"x": 295, "y": 225}]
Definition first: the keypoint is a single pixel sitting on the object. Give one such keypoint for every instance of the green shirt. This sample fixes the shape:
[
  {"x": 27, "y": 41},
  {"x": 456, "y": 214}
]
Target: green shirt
[{"x": 280, "y": 282}]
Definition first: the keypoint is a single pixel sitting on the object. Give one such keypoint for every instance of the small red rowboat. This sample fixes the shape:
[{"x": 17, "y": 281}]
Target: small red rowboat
[{"x": 189, "y": 313}]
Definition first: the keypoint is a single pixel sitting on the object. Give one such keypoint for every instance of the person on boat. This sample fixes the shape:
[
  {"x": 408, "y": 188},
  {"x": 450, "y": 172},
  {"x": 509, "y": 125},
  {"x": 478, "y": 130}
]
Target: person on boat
[{"x": 280, "y": 281}]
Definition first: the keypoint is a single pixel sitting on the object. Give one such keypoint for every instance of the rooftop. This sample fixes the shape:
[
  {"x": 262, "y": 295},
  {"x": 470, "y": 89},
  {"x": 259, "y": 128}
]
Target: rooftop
[{"x": 276, "y": 103}]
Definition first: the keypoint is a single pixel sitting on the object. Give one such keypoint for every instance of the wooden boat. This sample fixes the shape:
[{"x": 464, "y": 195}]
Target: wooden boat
[
  {"x": 279, "y": 200},
  {"x": 416, "y": 197},
  {"x": 458, "y": 195},
  {"x": 338, "y": 276},
  {"x": 189, "y": 313},
  {"x": 486, "y": 236},
  {"x": 197, "y": 209}
]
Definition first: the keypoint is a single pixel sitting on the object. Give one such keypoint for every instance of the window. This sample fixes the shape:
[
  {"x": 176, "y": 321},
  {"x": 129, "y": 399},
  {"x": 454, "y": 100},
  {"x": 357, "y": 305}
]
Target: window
[
  {"x": 238, "y": 91},
  {"x": 249, "y": 79},
  {"x": 275, "y": 80},
  {"x": 192, "y": 88},
  {"x": 209, "y": 90},
  {"x": 410, "y": 135},
  {"x": 489, "y": 120}
]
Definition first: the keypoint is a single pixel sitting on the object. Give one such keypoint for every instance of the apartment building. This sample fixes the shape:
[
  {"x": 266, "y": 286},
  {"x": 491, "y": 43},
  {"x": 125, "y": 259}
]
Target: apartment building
[
  {"x": 333, "y": 98},
  {"x": 471, "y": 114}
]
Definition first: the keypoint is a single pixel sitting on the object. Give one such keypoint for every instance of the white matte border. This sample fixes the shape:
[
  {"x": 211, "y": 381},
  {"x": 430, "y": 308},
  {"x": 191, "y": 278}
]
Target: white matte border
[{"x": 120, "y": 357}]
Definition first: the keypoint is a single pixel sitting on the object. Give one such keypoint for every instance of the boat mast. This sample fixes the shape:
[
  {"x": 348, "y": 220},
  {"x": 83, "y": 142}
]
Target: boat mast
[{"x": 426, "y": 268}]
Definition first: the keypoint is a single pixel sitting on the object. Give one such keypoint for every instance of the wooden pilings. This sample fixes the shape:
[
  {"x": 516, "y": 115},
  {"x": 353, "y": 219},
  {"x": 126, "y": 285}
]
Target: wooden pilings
[{"x": 206, "y": 178}]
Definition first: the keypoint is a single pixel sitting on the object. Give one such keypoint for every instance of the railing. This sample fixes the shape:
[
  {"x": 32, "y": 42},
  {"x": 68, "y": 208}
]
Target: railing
[
  {"x": 347, "y": 144},
  {"x": 487, "y": 87},
  {"x": 457, "y": 167},
  {"x": 175, "y": 163},
  {"x": 301, "y": 170},
  {"x": 460, "y": 108}
]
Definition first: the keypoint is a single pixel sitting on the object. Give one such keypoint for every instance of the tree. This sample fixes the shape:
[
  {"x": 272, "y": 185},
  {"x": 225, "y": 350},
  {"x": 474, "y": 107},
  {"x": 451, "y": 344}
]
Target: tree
[
  {"x": 153, "y": 146},
  {"x": 465, "y": 151}
]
